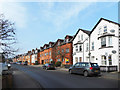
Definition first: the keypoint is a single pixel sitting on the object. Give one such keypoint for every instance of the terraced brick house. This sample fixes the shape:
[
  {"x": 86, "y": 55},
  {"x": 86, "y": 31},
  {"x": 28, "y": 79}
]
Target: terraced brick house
[
  {"x": 62, "y": 50},
  {"x": 46, "y": 53}
]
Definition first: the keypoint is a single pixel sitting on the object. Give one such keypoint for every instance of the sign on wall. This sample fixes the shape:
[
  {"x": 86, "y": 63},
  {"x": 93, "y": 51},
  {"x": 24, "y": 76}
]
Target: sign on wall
[
  {"x": 113, "y": 51},
  {"x": 66, "y": 60}
]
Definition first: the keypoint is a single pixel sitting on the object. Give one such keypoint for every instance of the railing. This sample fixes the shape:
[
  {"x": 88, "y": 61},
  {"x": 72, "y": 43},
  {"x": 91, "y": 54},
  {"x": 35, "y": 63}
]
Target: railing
[{"x": 108, "y": 68}]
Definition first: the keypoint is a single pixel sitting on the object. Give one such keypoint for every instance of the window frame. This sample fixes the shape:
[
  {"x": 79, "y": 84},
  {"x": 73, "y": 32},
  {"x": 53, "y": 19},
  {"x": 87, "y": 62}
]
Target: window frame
[
  {"x": 105, "y": 29},
  {"x": 103, "y": 42},
  {"x": 93, "y": 46},
  {"x": 67, "y": 50}
]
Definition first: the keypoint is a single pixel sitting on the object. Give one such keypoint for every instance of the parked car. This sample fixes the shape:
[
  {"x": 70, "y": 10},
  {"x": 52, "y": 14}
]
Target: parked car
[
  {"x": 85, "y": 68},
  {"x": 48, "y": 66},
  {"x": 19, "y": 63},
  {"x": 14, "y": 62},
  {"x": 25, "y": 63}
]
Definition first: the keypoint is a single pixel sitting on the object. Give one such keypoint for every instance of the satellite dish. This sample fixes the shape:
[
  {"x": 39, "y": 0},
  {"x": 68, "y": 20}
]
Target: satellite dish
[
  {"x": 112, "y": 30},
  {"x": 113, "y": 51}
]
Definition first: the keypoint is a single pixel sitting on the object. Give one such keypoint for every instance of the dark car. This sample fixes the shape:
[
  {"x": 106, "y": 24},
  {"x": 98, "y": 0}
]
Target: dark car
[
  {"x": 85, "y": 68},
  {"x": 25, "y": 63},
  {"x": 48, "y": 66}
]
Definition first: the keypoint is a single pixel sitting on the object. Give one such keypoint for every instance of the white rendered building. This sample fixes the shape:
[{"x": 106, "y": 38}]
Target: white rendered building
[
  {"x": 81, "y": 46},
  {"x": 103, "y": 44}
]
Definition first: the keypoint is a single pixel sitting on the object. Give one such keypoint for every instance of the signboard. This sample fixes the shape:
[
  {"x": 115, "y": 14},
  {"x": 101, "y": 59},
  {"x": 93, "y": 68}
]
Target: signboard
[
  {"x": 113, "y": 51},
  {"x": 112, "y": 30},
  {"x": 66, "y": 60}
]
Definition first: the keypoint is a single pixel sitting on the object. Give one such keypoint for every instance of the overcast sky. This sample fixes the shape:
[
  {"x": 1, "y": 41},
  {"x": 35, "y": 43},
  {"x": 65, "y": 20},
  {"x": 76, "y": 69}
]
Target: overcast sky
[{"x": 37, "y": 23}]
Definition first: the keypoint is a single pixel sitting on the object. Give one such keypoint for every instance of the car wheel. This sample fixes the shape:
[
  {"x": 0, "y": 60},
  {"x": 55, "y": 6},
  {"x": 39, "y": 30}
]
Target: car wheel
[
  {"x": 46, "y": 68},
  {"x": 85, "y": 73},
  {"x": 70, "y": 71}
]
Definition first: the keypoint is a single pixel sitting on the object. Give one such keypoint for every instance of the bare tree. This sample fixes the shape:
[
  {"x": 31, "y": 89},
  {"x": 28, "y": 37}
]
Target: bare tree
[{"x": 7, "y": 36}]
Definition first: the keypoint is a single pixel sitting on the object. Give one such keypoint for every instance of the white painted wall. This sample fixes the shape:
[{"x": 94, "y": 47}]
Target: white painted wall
[
  {"x": 33, "y": 58},
  {"x": 80, "y": 53},
  {"x": 97, "y": 52}
]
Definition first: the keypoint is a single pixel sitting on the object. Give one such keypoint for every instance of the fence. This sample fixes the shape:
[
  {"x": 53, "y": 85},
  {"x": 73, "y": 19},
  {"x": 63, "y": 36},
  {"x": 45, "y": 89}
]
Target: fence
[{"x": 108, "y": 68}]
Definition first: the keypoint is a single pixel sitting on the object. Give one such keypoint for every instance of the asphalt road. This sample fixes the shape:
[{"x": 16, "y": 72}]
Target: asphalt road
[{"x": 62, "y": 79}]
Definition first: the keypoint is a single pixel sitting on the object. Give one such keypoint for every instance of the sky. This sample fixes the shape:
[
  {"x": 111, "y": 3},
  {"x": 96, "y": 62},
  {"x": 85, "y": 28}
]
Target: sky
[{"x": 38, "y": 23}]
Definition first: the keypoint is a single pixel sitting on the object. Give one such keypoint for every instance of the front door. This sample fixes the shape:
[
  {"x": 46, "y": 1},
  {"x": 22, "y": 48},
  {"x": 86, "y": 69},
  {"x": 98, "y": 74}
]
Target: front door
[
  {"x": 42, "y": 61},
  {"x": 80, "y": 58}
]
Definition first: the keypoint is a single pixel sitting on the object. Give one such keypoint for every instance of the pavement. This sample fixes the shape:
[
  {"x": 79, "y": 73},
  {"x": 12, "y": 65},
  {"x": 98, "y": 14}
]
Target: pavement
[
  {"x": 107, "y": 75},
  {"x": 0, "y": 82}
]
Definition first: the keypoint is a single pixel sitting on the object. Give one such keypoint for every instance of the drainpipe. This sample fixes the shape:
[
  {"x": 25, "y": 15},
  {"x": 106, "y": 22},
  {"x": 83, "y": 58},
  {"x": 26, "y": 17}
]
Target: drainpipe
[
  {"x": 89, "y": 48},
  {"x": 83, "y": 51}
]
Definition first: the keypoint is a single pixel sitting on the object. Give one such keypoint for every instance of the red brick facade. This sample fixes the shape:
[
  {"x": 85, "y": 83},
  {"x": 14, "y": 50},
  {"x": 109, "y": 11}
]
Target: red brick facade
[{"x": 61, "y": 50}]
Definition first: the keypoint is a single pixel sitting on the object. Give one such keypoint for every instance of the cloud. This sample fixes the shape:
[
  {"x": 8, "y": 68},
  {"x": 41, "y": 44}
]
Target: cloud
[
  {"x": 60, "y": 13},
  {"x": 15, "y": 12}
]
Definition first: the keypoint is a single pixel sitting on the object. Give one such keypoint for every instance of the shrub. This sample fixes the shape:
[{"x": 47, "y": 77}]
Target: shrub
[
  {"x": 36, "y": 63},
  {"x": 58, "y": 64},
  {"x": 53, "y": 62}
]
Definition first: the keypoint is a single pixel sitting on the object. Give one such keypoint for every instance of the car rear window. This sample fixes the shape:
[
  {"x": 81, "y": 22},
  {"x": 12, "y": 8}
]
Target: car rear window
[
  {"x": 84, "y": 64},
  {"x": 94, "y": 64}
]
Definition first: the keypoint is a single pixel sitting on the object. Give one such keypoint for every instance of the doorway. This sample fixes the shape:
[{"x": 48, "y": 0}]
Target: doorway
[
  {"x": 42, "y": 61},
  {"x": 80, "y": 58}
]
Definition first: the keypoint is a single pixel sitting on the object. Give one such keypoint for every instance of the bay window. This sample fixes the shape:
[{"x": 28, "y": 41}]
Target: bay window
[
  {"x": 103, "y": 42},
  {"x": 110, "y": 40},
  {"x": 80, "y": 48}
]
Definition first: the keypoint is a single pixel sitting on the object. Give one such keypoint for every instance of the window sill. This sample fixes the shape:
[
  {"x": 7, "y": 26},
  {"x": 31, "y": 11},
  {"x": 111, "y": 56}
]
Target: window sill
[
  {"x": 79, "y": 52},
  {"x": 106, "y": 47}
]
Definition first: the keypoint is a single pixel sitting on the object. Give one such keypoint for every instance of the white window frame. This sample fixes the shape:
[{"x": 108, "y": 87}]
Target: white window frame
[
  {"x": 103, "y": 41},
  {"x": 76, "y": 48},
  {"x": 109, "y": 40},
  {"x": 105, "y": 29},
  {"x": 87, "y": 46},
  {"x": 80, "y": 46},
  {"x": 93, "y": 46},
  {"x": 82, "y": 37}
]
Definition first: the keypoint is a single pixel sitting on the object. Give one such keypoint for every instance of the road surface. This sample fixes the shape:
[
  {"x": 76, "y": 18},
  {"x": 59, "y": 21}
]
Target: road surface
[{"x": 60, "y": 79}]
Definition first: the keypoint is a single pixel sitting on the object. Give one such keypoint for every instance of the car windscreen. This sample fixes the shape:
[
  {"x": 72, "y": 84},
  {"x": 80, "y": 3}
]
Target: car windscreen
[
  {"x": 51, "y": 64},
  {"x": 94, "y": 64}
]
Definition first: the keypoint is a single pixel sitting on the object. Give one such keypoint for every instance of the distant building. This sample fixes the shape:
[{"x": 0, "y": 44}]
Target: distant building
[{"x": 45, "y": 53}]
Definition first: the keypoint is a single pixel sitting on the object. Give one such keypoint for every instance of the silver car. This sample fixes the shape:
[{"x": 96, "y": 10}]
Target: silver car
[{"x": 85, "y": 68}]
